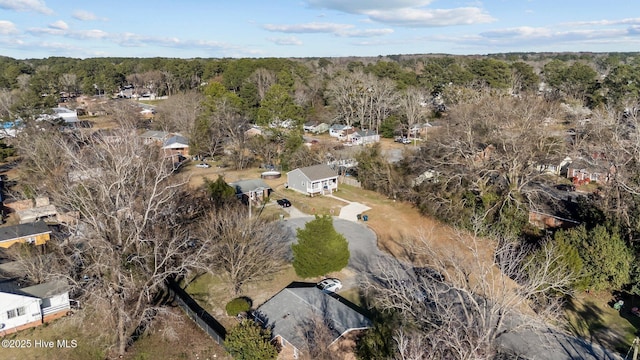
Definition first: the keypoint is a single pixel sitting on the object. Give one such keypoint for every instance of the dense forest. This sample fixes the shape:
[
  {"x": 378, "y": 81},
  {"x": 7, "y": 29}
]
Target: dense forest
[{"x": 497, "y": 123}]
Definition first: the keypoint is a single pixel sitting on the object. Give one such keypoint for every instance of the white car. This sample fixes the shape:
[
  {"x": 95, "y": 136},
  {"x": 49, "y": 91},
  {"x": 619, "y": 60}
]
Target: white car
[
  {"x": 329, "y": 285},
  {"x": 203, "y": 165}
]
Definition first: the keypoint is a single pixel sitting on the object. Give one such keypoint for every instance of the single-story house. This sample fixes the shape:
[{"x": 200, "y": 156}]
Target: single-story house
[
  {"x": 336, "y": 130},
  {"x": 315, "y": 127},
  {"x": 254, "y": 131},
  {"x": 348, "y": 135},
  {"x": 255, "y": 190},
  {"x": 154, "y": 137},
  {"x": 556, "y": 166},
  {"x": 291, "y": 312},
  {"x": 364, "y": 137},
  {"x": 22, "y": 308},
  {"x": 419, "y": 130},
  {"x": 313, "y": 180},
  {"x": 176, "y": 145},
  {"x": 582, "y": 171},
  {"x": 37, "y": 233}
]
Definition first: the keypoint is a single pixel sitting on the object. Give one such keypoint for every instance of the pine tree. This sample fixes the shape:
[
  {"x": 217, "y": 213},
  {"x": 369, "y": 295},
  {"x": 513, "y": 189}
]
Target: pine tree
[{"x": 320, "y": 249}]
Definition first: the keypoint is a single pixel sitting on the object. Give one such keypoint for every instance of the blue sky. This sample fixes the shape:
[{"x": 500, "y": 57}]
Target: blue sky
[{"x": 312, "y": 28}]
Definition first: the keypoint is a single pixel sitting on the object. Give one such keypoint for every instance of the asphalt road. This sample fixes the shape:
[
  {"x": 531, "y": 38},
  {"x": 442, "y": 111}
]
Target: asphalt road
[{"x": 527, "y": 343}]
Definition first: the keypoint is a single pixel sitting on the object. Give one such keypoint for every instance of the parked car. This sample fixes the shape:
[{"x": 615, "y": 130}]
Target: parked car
[
  {"x": 566, "y": 187},
  {"x": 406, "y": 141},
  {"x": 203, "y": 165},
  {"x": 329, "y": 285},
  {"x": 283, "y": 202}
]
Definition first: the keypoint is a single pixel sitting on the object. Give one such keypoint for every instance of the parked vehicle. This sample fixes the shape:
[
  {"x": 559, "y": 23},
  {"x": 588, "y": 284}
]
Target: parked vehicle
[
  {"x": 203, "y": 165},
  {"x": 566, "y": 187},
  {"x": 283, "y": 202},
  {"x": 330, "y": 285}
]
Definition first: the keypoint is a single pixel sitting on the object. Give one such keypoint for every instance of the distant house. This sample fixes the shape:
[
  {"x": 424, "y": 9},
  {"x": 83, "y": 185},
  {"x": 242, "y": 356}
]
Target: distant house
[
  {"x": 584, "y": 171},
  {"x": 313, "y": 180},
  {"x": 556, "y": 166},
  {"x": 419, "y": 130},
  {"x": 23, "y": 308},
  {"x": 254, "y": 131},
  {"x": 315, "y": 127},
  {"x": 61, "y": 113},
  {"x": 176, "y": 145},
  {"x": 544, "y": 220},
  {"x": 364, "y": 137},
  {"x": 291, "y": 312},
  {"x": 337, "y": 130},
  {"x": 155, "y": 137},
  {"x": 254, "y": 190},
  {"x": 37, "y": 233}
]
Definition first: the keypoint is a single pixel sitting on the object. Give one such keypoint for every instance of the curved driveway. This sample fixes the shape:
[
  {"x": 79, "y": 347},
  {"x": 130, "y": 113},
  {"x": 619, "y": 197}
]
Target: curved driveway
[{"x": 362, "y": 240}]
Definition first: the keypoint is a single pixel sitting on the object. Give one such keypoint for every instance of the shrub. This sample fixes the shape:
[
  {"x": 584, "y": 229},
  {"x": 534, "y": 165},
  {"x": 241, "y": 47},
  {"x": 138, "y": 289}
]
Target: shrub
[{"x": 237, "y": 306}]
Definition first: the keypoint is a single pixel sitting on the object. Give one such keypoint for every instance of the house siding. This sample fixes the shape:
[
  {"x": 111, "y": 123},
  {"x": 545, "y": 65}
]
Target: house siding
[
  {"x": 39, "y": 239},
  {"x": 297, "y": 181},
  {"x": 32, "y": 315}
]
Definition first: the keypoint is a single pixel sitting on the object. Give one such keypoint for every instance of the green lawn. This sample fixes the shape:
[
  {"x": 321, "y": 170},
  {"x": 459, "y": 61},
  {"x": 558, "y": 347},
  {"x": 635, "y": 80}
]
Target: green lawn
[{"x": 595, "y": 320}]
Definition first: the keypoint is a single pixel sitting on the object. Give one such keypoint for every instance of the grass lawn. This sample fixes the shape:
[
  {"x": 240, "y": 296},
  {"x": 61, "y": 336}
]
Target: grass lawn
[{"x": 593, "y": 318}]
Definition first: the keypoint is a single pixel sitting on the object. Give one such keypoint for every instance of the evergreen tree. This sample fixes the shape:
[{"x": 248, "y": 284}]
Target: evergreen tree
[
  {"x": 320, "y": 249},
  {"x": 247, "y": 341},
  {"x": 221, "y": 193}
]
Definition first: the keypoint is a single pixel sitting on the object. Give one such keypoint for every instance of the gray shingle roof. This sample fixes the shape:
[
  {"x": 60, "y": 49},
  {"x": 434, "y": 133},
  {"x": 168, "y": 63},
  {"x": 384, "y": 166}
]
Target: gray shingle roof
[
  {"x": 23, "y": 230},
  {"x": 318, "y": 172},
  {"x": 290, "y": 310},
  {"x": 245, "y": 186}
]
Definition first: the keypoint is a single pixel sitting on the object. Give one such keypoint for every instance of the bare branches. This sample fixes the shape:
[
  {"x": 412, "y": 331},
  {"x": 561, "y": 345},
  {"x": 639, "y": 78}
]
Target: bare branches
[
  {"x": 243, "y": 249},
  {"x": 464, "y": 297}
]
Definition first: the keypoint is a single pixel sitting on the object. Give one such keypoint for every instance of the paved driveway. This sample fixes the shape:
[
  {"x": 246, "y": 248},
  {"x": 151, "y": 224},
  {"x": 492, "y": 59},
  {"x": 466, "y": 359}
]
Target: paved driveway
[{"x": 362, "y": 240}]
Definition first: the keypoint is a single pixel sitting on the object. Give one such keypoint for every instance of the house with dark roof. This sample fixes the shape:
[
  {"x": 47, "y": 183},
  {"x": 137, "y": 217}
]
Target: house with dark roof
[
  {"x": 26, "y": 307},
  {"x": 176, "y": 145},
  {"x": 37, "y": 233},
  {"x": 291, "y": 312},
  {"x": 313, "y": 180},
  {"x": 254, "y": 190},
  {"x": 586, "y": 170}
]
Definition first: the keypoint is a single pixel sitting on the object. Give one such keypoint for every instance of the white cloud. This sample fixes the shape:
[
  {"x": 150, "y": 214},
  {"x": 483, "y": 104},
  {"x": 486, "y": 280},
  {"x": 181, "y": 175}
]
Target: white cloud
[
  {"x": 84, "y": 15},
  {"x": 363, "y": 6},
  {"x": 313, "y": 27},
  {"x": 26, "y": 5},
  {"x": 60, "y": 25},
  {"x": 342, "y": 30},
  {"x": 7, "y": 28},
  {"x": 431, "y": 18},
  {"x": 365, "y": 32},
  {"x": 408, "y": 13},
  {"x": 629, "y": 21},
  {"x": 287, "y": 41}
]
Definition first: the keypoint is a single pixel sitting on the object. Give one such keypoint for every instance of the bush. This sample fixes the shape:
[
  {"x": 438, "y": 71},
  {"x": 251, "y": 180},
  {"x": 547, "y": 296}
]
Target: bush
[{"x": 237, "y": 306}]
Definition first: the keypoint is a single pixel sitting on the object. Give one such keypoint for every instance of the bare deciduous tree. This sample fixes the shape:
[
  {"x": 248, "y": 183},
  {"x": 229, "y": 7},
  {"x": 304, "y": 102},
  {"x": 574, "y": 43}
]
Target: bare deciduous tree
[
  {"x": 244, "y": 249},
  {"x": 179, "y": 113},
  {"x": 134, "y": 230},
  {"x": 464, "y": 298}
]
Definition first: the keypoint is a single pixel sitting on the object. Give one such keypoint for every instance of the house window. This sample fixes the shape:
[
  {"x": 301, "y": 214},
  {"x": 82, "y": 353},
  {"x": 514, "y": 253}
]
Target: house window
[{"x": 16, "y": 312}]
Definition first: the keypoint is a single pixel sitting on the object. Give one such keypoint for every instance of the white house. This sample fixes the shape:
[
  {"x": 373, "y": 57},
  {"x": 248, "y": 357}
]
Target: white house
[
  {"x": 313, "y": 180},
  {"x": 363, "y": 137},
  {"x": 22, "y": 308},
  {"x": 337, "y": 130}
]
